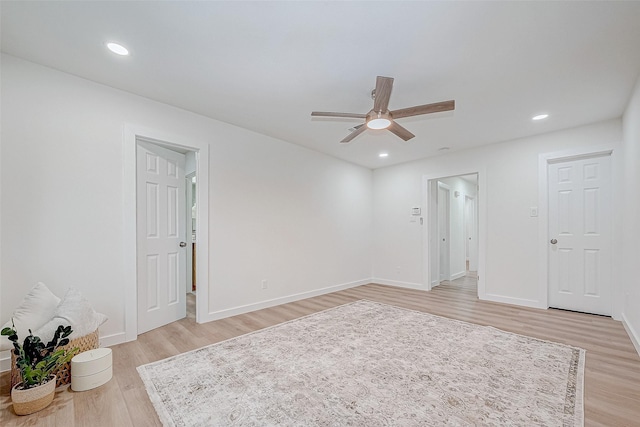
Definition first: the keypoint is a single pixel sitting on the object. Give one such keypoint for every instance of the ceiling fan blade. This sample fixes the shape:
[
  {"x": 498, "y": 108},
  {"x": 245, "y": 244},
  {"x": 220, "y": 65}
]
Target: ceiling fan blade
[
  {"x": 400, "y": 131},
  {"x": 358, "y": 131},
  {"x": 330, "y": 114},
  {"x": 424, "y": 109},
  {"x": 383, "y": 93}
]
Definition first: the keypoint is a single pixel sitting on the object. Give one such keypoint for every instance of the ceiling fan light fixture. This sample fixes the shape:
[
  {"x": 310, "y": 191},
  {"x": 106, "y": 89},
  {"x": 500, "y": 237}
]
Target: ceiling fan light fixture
[{"x": 378, "y": 121}]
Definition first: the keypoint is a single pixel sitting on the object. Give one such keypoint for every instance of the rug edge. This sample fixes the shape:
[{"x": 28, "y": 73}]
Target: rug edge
[
  {"x": 579, "y": 413},
  {"x": 154, "y": 397},
  {"x": 253, "y": 332},
  {"x": 473, "y": 323}
]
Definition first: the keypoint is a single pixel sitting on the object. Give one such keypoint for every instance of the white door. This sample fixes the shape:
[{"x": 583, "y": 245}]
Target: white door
[
  {"x": 580, "y": 235},
  {"x": 161, "y": 260},
  {"x": 471, "y": 232},
  {"x": 443, "y": 232}
]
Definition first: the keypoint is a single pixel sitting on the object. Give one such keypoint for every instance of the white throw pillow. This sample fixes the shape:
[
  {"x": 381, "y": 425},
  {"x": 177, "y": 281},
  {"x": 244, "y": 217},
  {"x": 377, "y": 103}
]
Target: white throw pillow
[
  {"x": 75, "y": 311},
  {"x": 35, "y": 310}
]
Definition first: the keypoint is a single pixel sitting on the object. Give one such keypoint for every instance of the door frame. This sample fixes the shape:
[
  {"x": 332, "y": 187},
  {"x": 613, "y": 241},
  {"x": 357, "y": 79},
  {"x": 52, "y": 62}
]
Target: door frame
[
  {"x": 544, "y": 160},
  {"x": 132, "y": 134},
  {"x": 481, "y": 200}
]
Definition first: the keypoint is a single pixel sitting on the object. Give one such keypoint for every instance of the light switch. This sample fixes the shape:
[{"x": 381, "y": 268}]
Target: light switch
[{"x": 533, "y": 211}]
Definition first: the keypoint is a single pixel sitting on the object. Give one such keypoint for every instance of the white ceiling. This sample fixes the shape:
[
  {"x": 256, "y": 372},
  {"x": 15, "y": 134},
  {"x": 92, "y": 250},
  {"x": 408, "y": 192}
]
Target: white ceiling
[{"x": 266, "y": 65}]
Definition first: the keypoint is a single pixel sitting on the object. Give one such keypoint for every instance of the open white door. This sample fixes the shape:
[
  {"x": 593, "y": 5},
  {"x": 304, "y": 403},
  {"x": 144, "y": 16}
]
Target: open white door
[
  {"x": 471, "y": 232},
  {"x": 580, "y": 235},
  {"x": 161, "y": 242},
  {"x": 443, "y": 232}
]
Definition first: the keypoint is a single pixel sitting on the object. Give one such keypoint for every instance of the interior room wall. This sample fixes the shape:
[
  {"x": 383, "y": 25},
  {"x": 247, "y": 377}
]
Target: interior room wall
[
  {"x": 512, "y": 258},
  {"x": 280, "y": 212},
  {"x": 631, "y": 216}
]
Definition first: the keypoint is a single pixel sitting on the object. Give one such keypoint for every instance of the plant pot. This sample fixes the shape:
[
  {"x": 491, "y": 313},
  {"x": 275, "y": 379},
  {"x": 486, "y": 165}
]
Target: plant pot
[{"x": 34, "y": 399}]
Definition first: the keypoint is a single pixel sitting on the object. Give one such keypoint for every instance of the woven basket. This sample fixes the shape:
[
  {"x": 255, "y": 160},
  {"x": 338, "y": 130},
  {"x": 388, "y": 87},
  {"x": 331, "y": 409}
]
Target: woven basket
[{"x": 63, "y": 374}]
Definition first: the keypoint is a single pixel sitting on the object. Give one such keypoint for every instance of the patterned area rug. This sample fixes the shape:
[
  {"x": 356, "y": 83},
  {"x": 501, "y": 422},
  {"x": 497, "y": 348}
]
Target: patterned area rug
[{"x": 371, "y": 364}]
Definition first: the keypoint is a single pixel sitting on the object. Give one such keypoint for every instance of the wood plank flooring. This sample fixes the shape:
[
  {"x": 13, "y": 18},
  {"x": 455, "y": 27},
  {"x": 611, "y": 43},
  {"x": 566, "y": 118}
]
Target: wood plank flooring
[{"x": 612, "y": 373}]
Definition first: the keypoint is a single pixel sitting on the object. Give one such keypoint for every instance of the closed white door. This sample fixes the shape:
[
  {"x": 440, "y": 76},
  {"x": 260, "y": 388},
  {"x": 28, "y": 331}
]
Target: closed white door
[
  {"x": 580, "y": 235},
  {"x": 443, "y": 232},
  {"x": 161, "y": 243}
]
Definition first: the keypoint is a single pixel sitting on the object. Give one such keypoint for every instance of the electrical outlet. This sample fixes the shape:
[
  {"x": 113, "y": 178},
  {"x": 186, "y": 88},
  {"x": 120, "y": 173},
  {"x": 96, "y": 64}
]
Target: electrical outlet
[{"x": 265, "y": 284}]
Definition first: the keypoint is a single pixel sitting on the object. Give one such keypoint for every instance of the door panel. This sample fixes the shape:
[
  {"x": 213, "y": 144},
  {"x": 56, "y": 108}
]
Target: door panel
[
  {"x": 161, "y": 227},
  {"x": 443, "y": 232},
  {"x": 580, "y": 220},
  {"x": 472, "y": 233}
]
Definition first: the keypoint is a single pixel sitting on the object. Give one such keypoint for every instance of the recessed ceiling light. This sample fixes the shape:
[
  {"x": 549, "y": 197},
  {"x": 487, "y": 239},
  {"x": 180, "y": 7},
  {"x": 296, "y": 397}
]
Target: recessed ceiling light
[
  {"x": 117, "y": 48},
  {"x": 540, "y": 117},
  {"x": 382, "y": 155},
  {"x": 443, "y": 149}
]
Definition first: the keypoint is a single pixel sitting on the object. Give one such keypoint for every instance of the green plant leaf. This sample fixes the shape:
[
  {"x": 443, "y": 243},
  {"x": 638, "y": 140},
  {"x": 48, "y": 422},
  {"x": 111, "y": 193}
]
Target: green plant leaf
[{"x": 36, "y": 361}]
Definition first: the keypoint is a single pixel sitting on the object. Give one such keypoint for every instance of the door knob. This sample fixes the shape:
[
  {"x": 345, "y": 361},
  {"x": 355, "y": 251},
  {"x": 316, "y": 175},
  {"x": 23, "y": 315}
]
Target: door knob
[
  {"x": 554, "y": 241},
  {"x": 183, "y": 244}
]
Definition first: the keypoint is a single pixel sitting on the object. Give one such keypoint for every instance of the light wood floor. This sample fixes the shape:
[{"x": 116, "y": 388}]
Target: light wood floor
[{"x": 612, "y": 373}]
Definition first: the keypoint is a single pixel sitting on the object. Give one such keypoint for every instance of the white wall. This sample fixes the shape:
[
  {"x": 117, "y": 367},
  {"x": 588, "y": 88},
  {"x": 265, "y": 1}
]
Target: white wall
[
  {"x": 631, "y": 217},
  {"x": 299, "y": 219},
  {"x": 512, "y": 259}
]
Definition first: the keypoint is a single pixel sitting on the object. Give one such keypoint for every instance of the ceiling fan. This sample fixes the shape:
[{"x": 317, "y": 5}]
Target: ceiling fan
[{"x": 381, "y": 118}]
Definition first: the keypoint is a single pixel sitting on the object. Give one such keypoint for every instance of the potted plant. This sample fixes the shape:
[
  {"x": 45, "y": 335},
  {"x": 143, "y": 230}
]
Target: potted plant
[{"x": 36, "y": 363}]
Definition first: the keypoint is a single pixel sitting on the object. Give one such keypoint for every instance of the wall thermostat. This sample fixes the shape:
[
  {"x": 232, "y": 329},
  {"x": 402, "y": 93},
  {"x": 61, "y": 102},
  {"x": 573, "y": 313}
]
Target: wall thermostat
[{"x": 415, "y": 211}]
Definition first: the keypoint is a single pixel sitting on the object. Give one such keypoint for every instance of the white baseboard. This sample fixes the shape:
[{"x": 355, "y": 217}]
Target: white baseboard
[
  {"x": 458, "y": 275},
  {"x": 221, "y": 314},
  {"x": 633, "y": 334},
  {"x": 113, "y": 339},
  {"x": 410, "y": 285},
  {"x": 513, "y": 301}
]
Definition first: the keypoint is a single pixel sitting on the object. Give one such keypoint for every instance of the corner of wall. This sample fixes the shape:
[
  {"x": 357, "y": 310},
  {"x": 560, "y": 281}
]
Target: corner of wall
[{"x": 633, "y": 334}]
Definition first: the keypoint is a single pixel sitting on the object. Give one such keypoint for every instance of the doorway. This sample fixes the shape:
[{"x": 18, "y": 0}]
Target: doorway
[
  {"x": 132, "y": 135},
  {"x": 163, "y": 224},
  {"x": 191, "y": 232},
  {"x": 452, "y": 232}
]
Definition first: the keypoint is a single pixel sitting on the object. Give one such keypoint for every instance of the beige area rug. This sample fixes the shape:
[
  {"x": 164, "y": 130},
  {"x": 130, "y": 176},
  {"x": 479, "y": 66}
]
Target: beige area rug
[{"x": 371, "y": 364}]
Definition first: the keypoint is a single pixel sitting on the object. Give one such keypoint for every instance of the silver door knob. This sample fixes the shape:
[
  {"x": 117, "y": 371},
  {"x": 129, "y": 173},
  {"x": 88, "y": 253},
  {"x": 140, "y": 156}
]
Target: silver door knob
[
  {"x": 183, "y": 244},
  {"x": 554, "y": 241}
]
